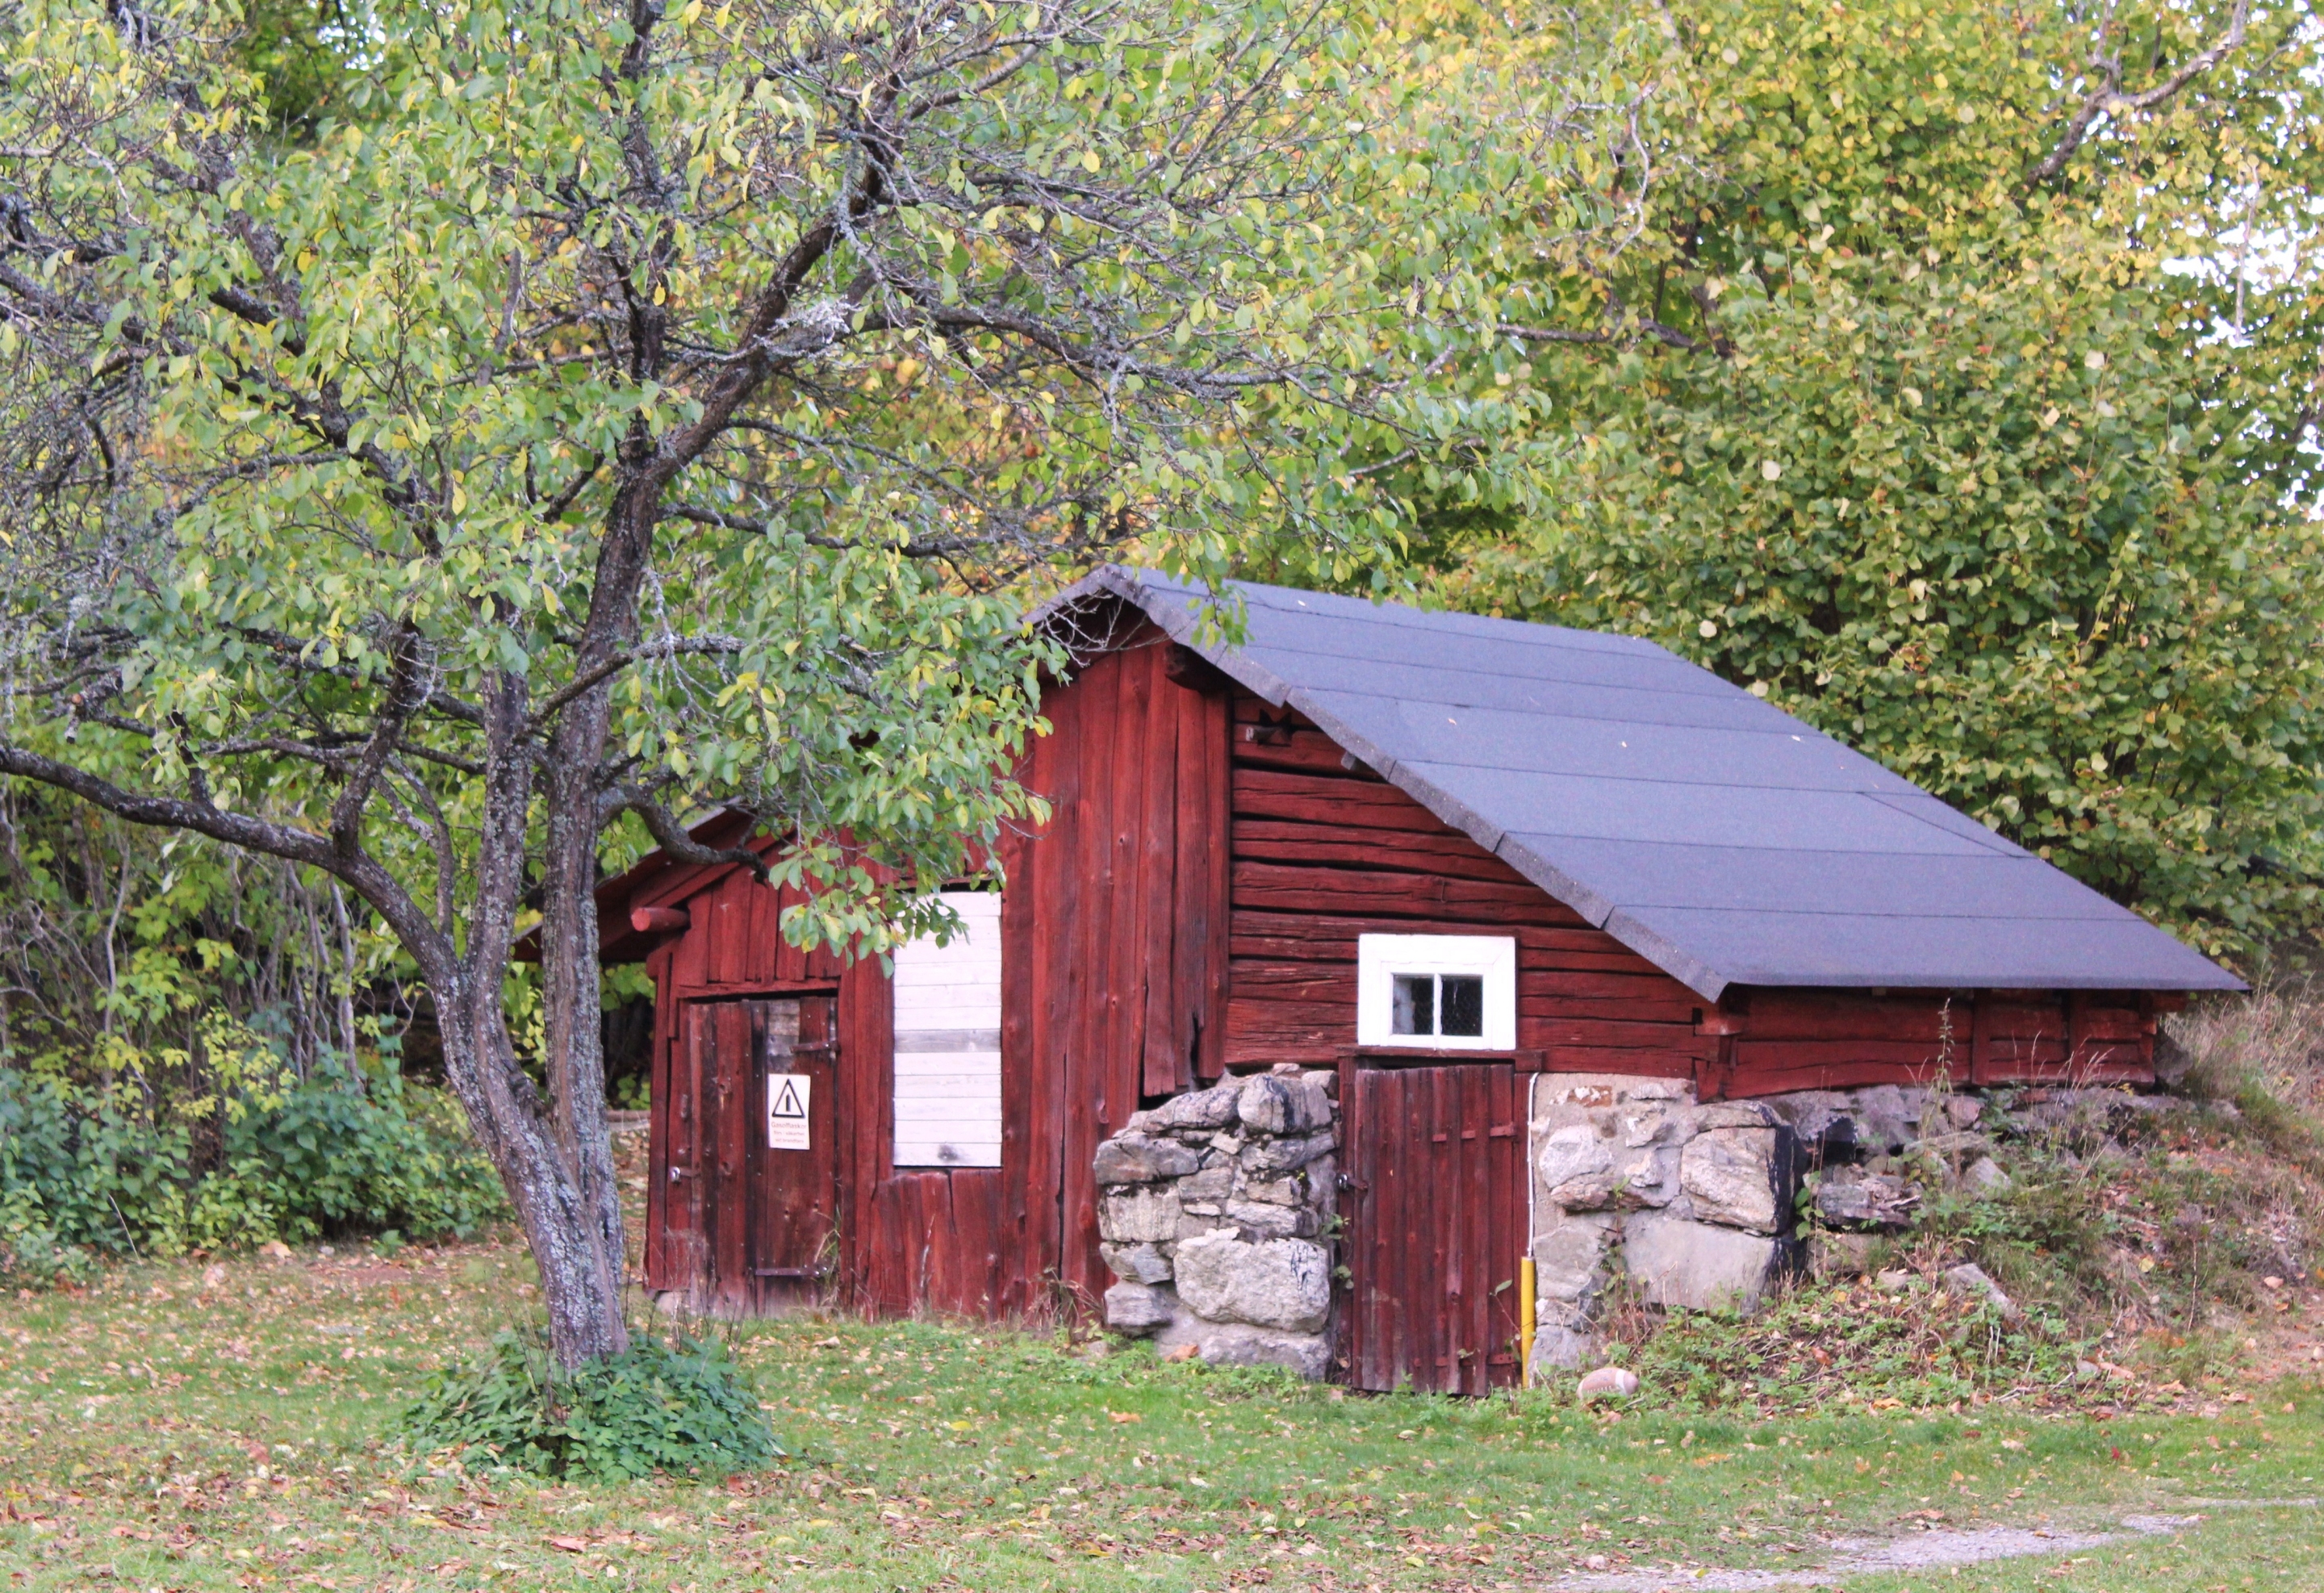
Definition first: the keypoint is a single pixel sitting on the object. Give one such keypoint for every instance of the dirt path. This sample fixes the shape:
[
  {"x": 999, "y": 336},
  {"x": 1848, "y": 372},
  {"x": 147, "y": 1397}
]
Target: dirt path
[{"x": 1928, "y": 1551}]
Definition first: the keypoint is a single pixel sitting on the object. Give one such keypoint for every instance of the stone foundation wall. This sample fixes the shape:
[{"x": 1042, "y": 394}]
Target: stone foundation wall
[
  {"x": 1217, "y": 1208},
  {"x": 1215, "y": 1211},
  {"x": 1700, "y": 1205},
  {"x": 1693, "y": 1202}
]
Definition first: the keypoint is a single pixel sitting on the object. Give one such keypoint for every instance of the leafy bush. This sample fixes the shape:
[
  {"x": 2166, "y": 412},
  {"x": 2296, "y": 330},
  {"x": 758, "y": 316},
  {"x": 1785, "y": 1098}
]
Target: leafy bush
[
  {"x": 681, "y": 1407},
  {"x": 90, "y": 1170}
]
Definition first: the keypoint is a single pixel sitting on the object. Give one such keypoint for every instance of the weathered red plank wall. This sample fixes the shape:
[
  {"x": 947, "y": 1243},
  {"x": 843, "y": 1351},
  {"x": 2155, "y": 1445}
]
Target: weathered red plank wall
[
  {"x": 1113, "y": 961},
  {"x": 1325, "y": 850}
]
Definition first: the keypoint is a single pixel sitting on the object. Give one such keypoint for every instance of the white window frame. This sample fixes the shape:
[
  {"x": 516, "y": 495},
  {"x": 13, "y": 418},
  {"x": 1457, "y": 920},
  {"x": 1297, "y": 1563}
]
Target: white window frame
[
  {"x": 947, "y": 1074},
  {"x": 1379, "y": 958}
]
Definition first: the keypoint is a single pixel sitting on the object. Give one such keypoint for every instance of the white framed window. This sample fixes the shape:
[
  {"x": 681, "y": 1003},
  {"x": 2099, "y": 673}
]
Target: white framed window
[
  {"x": 1437, "y": 992},
  {"x": 948, "y": 1041}
]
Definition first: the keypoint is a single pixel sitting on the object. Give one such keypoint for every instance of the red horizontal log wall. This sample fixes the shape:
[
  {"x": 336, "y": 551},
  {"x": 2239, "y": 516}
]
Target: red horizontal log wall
[{"x": 1325, "y": 850}]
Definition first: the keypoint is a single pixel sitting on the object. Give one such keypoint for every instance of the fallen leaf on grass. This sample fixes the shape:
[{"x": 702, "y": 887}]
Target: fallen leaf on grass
[
  {"x": 1125, "y": 1415},
  {"x": 570, "y": 1545}
]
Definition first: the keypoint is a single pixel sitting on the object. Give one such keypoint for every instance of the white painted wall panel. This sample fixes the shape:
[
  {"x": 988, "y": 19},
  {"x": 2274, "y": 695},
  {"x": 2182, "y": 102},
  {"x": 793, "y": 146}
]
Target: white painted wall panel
[{"x": 948, "y": 1042}]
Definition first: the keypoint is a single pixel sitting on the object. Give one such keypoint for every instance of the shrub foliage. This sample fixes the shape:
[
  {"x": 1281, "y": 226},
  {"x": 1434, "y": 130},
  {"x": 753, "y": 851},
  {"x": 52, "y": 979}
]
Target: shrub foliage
[
  {"x": 92, "y": 1169},
  {"x": 681, "y": 1407}
]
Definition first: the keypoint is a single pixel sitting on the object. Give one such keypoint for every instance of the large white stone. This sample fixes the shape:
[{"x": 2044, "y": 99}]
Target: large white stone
[
  {"x": 1732, "y": 1177},
  {"x": 1569, "y": 1258},
  {"x": 1239, "y": 1344},
  {"x": 1645, "y": 1176},
  {"x": 1129, "y": 1158},
  {"x": 1609, "y": 1089},
  {"x": 1200, "y": 1108},
  {"x": 1261, "y": 1221},
  {"x": 1699, "y": 1266},
  {"x": 1283, "y": 1283},
  {"x": 1850, "y": 1197},
  {"x": 1137, "y": 1264},
  {"x": 1570, "y": 1155},
  {"x": 1270, "y": 1157},
  {"x": 1137, "y": 1216}
]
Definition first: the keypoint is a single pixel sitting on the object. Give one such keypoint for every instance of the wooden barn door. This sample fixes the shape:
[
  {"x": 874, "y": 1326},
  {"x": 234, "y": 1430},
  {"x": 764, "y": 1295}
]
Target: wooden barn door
[
  {"x": 1436, "y": 1225},
  {"x": 751, "y": 1226}
]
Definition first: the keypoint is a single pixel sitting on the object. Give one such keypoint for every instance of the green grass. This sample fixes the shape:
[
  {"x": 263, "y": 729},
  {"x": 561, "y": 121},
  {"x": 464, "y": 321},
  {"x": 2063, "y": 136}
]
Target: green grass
[{"x": 166, "y": 1433}]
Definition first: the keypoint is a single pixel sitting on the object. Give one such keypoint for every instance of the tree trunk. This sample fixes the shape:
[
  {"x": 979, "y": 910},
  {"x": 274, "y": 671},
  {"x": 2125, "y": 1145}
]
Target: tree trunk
[
  {"x": 585, "y": 1200},
  {"x": 573, "y": 1036},
  {"x": 582, "y": 1291},
  {"x": 554, "y": 1156}
]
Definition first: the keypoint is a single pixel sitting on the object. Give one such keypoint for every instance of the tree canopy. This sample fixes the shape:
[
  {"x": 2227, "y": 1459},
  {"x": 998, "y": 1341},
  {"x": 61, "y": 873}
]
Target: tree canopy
[
  {"x": 553, "y": 419},
  {"x": 1947, "y": 375}
]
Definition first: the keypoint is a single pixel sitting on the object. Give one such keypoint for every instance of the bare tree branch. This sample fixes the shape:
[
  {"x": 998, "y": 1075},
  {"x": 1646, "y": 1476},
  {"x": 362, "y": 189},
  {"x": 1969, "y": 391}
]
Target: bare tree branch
[{"x": 2109, "y": 100}]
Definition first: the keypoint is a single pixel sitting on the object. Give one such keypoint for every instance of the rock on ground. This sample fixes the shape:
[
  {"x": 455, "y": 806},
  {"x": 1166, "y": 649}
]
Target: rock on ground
[{"x": 1608, "y": 1382}]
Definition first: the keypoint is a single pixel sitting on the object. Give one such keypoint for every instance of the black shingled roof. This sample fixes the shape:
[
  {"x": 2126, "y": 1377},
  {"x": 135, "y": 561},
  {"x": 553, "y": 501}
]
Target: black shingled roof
[{"x": 1711, "y": 832}]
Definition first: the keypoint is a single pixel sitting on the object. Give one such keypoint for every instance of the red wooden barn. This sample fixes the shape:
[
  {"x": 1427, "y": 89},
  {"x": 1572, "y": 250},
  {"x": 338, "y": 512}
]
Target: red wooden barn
[{"x": 1444, "y": 858}]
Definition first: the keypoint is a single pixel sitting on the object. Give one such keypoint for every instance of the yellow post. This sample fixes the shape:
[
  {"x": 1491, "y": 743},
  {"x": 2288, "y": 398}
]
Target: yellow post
[{"x": 1525, "y": 1322}]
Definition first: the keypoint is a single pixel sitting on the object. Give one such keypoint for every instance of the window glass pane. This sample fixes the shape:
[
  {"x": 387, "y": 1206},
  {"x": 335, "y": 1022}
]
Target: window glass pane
[
  {"x": 1464, "y": 1005},
  {"x": 1415, "y": 1004}
]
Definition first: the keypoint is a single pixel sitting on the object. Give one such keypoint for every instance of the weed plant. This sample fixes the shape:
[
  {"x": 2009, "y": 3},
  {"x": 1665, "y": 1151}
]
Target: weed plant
[{"x": 680, "y": 1407}]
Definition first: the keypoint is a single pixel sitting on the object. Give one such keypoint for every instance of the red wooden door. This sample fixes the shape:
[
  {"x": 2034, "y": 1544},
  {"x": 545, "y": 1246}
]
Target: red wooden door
[
  {"x": 794, "y": 1197},
  {"x": 749, "y": 1227},
  {"x": 1436, "y": 1226}
]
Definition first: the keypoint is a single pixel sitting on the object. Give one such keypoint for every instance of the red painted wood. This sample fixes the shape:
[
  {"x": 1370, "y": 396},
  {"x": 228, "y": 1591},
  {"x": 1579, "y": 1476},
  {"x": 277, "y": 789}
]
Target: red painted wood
[
  {"x": 1293, "y": 750},
  {"x": 684, "y": 1257},
  {"x": 1205, "y": 863},
  {"x": 1100, "y": 1034},
  {"x": 1370, "y": 893},
  {"x": 796, "y": 1195},
  {"x": 1332, "y": 938},
  {"x": 1361, "y": 846},
  {"x": 658, "y": 1088},
  {"x": 1510, "y": 1236},
  {"x": 728, "y": 1094},
  {"x": 1309, "y": 799},
  {"x": 1163, "y": 1066},
  {"x": 1436, "y": 1225}
]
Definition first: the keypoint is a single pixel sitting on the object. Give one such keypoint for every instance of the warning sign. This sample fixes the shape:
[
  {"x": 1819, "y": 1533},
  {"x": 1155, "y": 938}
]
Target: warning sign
[{"x": 787, "y": 1123}]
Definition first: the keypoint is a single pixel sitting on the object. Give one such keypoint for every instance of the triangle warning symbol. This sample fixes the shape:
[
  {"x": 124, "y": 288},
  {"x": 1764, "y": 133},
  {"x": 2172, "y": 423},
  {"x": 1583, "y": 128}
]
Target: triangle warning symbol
[{"x": 787, "y": 1104}]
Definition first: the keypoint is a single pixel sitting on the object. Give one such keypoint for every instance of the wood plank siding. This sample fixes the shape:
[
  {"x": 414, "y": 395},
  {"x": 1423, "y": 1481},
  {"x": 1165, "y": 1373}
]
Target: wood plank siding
[
  {"x": 1325, "y": 850},
  {"x": 1436, "y": 1224},
  {"x": 1114, "y": 972}
]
